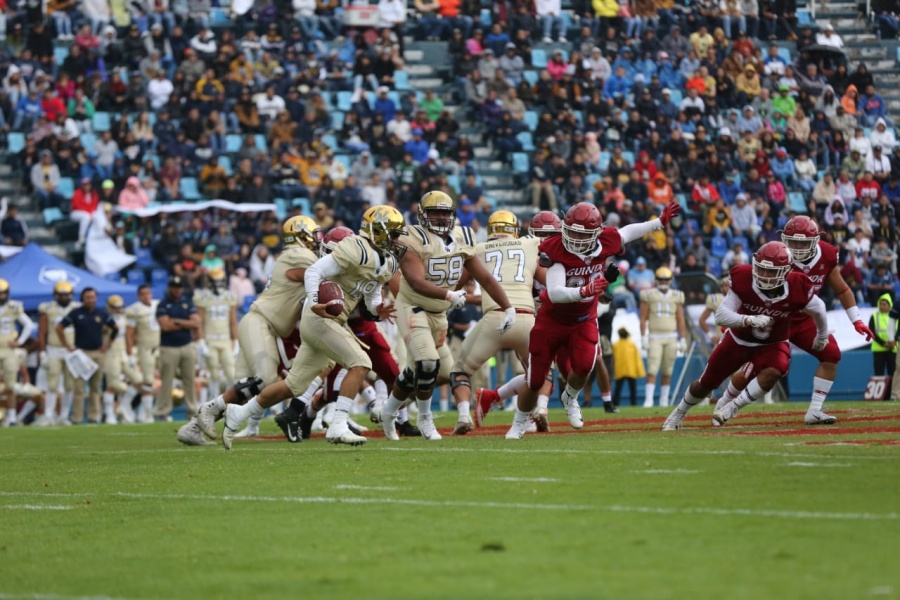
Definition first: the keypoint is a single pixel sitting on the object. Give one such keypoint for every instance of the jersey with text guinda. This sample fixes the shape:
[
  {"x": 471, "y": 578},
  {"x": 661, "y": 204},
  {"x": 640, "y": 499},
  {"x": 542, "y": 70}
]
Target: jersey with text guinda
[
  {"x": 579, "y": 271},
  {"x": 443, "y": 261},
  {"x": 512, "y": 262},
  {"x": 363, "y": 271},
  {"x": 280, "y": 302},
  {"x": 798, "y": 291}
]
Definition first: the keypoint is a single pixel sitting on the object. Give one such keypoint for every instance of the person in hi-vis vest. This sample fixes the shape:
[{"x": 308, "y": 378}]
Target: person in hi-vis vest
[{"x": 884, "y": 346}]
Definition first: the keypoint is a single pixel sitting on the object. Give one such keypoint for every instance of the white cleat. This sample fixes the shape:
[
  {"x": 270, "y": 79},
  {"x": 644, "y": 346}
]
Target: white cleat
[
  {"x": 233, "y": 423},
  {"x": 673, "y": 422},
  {"x": 64, "y": 421},
  {"x": 388, "y": 424},
  {"x": 720, "y": 404},
  {"x": 539, "y": 420},
  {"x": 532, "y": 426},
  {"x": 126, "y": 413},
  {"x": 189, "y": 434},
  {"x": 110, "y": 419},
  {"x": 464, "y": 425},
  {"x": 45, "y": 421},
  {"x": 426, "y": 426},
  {"x": 206, "y": 419},
  {"x": 251, "y": 430},
  {"x": 343, "y": 435},
  {"x": 726, "y": 413},
  {"x": 375, "y": 411},
  {"x": 356, "y": 427},
  {"x": 573, "y": 412},
  {"x": 819, "y": 418},
  {"x": 518, "y": 430}
]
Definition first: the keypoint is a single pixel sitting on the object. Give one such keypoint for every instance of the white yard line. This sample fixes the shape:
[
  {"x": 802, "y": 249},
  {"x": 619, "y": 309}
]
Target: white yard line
[
  {"x": 812, "y": 464},
  {"x": 376, "y": 488},
  {"x": 33, "y": 507},
  {"x": 39, "y": 596},
  {"x": 661, "y": 510},
  {"x": 526, "y": 479},
  {"x": 666, "y": 471}
]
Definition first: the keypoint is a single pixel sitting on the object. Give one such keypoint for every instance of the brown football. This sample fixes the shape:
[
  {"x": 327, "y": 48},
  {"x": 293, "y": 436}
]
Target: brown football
[{"x": 328, "y": 292}]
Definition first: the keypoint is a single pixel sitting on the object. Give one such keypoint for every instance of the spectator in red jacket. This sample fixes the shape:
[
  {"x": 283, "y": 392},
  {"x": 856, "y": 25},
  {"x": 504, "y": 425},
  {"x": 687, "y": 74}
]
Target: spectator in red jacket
[
  {"x": 84, "y": 203},
  {"x": 52, "y": 105},
  {"x": 867, "y": 187}
]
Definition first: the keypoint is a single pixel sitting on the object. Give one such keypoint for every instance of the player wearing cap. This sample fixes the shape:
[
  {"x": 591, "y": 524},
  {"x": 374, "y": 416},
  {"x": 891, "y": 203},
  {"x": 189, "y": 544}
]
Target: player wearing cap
[
  {"x": 53, "y": 351},
  {"x": 11, "y": 313},
  {"x": 663, "y": 333}
]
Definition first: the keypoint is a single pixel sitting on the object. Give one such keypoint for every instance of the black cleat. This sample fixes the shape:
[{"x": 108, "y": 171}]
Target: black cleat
[
  {"x": 306, "y": 423},
  {"x": 407, "y": 429},
  {"x": 289, "y": 423},
  {"x": 610, "y": 407}
]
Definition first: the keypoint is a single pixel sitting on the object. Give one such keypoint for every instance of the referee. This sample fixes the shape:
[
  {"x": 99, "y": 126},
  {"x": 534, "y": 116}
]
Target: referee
[
  {"x": 88, "y": 321},
  {"x": 178, "y": 319}
]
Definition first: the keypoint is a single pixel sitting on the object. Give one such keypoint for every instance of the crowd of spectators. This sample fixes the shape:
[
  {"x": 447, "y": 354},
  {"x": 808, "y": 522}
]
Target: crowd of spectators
[{"x": 631, "y": 105}]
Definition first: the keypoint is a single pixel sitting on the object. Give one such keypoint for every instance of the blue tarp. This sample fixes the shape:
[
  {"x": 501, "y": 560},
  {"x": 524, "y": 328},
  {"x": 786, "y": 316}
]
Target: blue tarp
[{"x": 32, "y": 273}]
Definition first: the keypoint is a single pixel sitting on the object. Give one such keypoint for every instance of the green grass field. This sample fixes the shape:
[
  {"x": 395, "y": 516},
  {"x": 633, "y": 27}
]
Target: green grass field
[{"x": 765, "y": 508}]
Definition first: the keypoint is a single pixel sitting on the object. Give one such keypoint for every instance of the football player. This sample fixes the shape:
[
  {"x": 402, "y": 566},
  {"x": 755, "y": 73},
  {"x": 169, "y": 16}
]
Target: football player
[
  {"x": 439, "y": 252},
  {"x": 53, "y": 351},
  {"x": 513, "y": 262},
  {"x": 713, "y": 302},
  {"x": 116, "y": 365},
  {"x": 662, "y": 333},
  {"x": 565, "y": 328},
  {"x": 360, "y": 266},
  {"x": 758, "y": 312},
  {"x": 820, "y": 261},
  {"x": 141, "y": 339},
  {"x": 11, "y": 312},
  {"x": 217, "y": 308},
  {"x": 273, "y": 315}
]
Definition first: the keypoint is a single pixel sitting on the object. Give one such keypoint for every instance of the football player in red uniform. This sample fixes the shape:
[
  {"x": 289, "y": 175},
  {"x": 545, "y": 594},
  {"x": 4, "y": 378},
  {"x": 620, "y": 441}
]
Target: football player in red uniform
[
  {"x": 565, "y": 328},
  {"x": 758, "y": 312},
  {"x": 818, "y": 260}
]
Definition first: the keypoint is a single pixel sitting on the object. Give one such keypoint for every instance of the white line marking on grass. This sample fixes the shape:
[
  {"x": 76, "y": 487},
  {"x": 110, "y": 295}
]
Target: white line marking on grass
[
  {"x": 376, "y": 488},
  {"x": 660, "y": 510},
  {"x": 526, "y": 479},
  {"x": 667, "y": 471},
  {"x": 812, "y": 464},
  {"x": 882, "y": 590},
  {"x": 33, "y": 507},
  {"x": 38, "y": 596}
]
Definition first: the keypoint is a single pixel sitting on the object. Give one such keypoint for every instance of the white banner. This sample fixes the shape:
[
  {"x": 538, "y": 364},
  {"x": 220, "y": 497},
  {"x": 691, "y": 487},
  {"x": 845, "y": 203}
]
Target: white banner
[
  {"x": 151, "y": 211},
  {"x": 7, "y": 251},
  {"x": 101, "y": 254}
]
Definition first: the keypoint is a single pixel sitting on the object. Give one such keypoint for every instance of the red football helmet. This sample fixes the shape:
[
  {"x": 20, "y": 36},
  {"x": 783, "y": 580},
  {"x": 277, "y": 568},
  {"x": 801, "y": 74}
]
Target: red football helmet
[
  {"x": 581, "y": 228},
  {"x": 801, "y": 236},
  {"x": 333, "y": 237},
  {"x": 544, "y": 224},
  {"x": 771, "y": 264}
]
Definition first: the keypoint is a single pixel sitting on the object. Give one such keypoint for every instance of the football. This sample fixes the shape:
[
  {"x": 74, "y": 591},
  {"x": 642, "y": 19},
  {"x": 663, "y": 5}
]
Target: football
[{"x": 328, "y": 292}]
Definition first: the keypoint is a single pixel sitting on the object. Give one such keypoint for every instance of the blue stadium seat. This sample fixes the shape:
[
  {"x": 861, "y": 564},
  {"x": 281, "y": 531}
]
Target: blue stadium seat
[
  {"x": 330, "y": 141},
  {"x": 719, "y": 247},
  {"x": 232, "y": 143},
  {"x": 337, "y": 120},
  {"x": 137, "y": 277},
  {"x": 715, "y": 267},
  {"x": 154, "y": 158},
  {"x": 486, "y": 18},
  {"x": 113, "y": 277},
  {"x": 743, "y": 241},
  {"x": 531, "y": 77},
  {"x": 59, "y": 54},
  {"x": 218, "y": 18},
  {"x": 492, "y": 201},
  {"x": 803, "y": 19},
  {"x": 628, "y": 156},
  {"x": 281, "y": 208},
  {"x": 531, "y": 119},
  {"x": 144, "y": 257},
  {"x": 260, "y": 140},
  {"x": 88, "y": 140},
  {"x": 527, "y": 142},
  {"x": 796, "y": 202},
  {"x": 101, "y": 121},
  {"x": 189, "y": 189},
  {"x": 15, "y": 142},
  {"x": 676, "y": 97},
  {"x": 785, "y": 55},
  {"x": 225, "y": 163},
  {"x": 66, "y": 187},
  {"x": 401, "y": 81},
  {"x": 538, "y": 58},
  {"x": 52, "y": 215},
  {"x": 453, "y": 181},
  {"x": 604, "y": 160},
  {"x": 591, "y": 179},
  {"x": 159, "y": 277},
  {"x": 344, "y": 101},
  {"x": 303, "y": 203},
  {"x": 520, "y": 162},
  {"x": 344, "y": 159}
]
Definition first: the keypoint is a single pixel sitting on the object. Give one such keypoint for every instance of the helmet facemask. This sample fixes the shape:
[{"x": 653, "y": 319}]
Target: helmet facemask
[
  {"x": 579, "y": 240},
  {"x": 802, "y": 248}
]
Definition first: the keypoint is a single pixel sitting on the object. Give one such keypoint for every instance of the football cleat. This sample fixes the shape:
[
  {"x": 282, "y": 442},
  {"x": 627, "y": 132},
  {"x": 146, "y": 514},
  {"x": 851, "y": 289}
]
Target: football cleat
[
  {"x": 251, "y": 430},
  {"x": 45, "y": 421},
  {"x": 407, "y": 429},
  {"x": 819, "y": 418},
  {"x": 573, "y": 412},
  {"x": 232, "y": 423},
  {"x": 517, "y": 431},
  {"x": 289, "y": 423},
  {"x": 725, "y": 414},
  {"x": 206, "y": 418},
  {"x": 356, "y": 427},
  {"x": 610, "y": 408},
  {"x": 375, "y": 411},
  {"x": 426, "y": 426},
  {"x": 190, "y": 434},
  {"x": 464, "y": 425},
  {"x": 532, "y": 426},
  {"x": 126, "y": 412},
  {"x": 673, "y": 422},
  {"x": 539, "y": 418},
  {"x": 388, "y": 426},
  {"x": 306, "y": 424},
  {"x": 343, "y": 435},
  {"x": 485, "y": 400}
]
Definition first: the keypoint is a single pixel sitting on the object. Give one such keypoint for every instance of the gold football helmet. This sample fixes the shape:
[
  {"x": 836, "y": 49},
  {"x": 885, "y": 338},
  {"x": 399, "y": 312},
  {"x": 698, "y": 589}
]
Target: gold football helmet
[
  {"x": 217, "y": 279},
  {"x": 115, "y": 303},
  {"x": 382, "y": 225},
  {"x": 4, "y": 291},
  {"x": 302, "y": 231},
  {"x": 437, "y": 212},
  {"x": 502, "y": 222},
  {"x": 663, "y": 278}
]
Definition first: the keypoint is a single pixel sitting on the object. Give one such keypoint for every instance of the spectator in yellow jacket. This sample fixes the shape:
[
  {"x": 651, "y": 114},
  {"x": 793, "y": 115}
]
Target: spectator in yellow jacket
[{"x": 628, "y": 366}]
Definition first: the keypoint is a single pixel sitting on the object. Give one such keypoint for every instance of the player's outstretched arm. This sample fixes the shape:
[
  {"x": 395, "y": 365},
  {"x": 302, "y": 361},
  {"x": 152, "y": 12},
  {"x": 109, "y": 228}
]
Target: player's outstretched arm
[
  {"x": 848, "y": 301},
  {"x": 636, "y": 231}
]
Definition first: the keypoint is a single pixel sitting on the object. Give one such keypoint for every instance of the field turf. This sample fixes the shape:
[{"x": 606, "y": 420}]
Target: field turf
[{"x": 765, "y": 508}]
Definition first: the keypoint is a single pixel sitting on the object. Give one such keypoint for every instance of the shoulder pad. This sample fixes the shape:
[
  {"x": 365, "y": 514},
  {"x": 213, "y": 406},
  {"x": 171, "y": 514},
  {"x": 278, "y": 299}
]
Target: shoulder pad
[{"x": 544, "y": 260}]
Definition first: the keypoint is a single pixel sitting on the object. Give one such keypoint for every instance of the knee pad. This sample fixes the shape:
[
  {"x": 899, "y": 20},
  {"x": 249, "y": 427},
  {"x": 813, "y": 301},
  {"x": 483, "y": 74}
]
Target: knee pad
[
  {"x": 426, "y": 374},
  {"x": 406, "y": 381},
  {"x": 248, "y": 387},
  {"x": 459, "y": 379}
]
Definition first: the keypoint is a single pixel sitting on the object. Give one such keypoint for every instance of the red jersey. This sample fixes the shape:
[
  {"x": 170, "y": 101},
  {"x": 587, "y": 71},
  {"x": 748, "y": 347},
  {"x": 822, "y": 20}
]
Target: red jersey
[
  {"x": 579, "y": 271},
  {"x": 818, "y": 269},
  {"x": 798, "y": 291}
]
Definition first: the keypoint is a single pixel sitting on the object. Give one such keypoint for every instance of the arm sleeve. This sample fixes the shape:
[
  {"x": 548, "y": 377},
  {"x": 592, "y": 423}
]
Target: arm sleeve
[
  {"x": 323, "y": 268},
  {"x": 816, "y": 309},
  {"x": 373, "y": 301},
  {"x": 27, "y": 327},
  {"x": 636, "y": 231},
  {"x": 556, "y": 286},
  {"x": 727, "y": 314}
]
